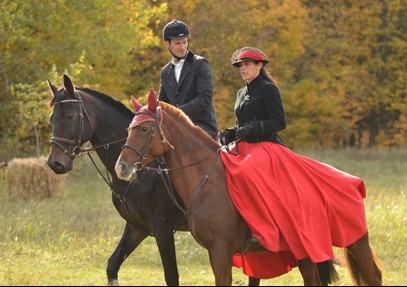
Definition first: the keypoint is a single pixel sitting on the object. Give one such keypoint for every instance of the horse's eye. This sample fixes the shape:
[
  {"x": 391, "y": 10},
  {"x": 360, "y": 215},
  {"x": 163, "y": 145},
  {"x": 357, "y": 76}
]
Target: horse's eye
[
  {"x": 144, "y": 129},
  {"x": 70, "y": 116}
]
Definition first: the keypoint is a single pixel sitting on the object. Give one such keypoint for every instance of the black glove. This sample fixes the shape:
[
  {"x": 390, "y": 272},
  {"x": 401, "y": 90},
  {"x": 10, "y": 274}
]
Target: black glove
[
  {"x": 244, "y": 132},
  {"x": 227, "y": 136}
]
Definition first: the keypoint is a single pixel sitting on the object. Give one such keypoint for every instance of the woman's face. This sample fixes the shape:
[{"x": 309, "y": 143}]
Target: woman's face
[
  {"x": 178, "y": 47},
  {"x": 250, "y": 70}
]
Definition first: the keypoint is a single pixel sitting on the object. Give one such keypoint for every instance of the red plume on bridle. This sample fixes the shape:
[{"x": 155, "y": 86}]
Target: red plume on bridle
[
  {"x": 148, "y": 112},
  {"x": 152, "y": 101}
]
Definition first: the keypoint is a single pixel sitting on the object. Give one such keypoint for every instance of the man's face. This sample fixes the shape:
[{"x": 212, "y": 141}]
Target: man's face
[{"x": 178, "y": 47}]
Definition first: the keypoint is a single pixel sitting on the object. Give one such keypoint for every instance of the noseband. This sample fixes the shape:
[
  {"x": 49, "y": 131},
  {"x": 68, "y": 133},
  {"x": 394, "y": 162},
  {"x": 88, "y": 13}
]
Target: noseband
[{"x": 77, "y": 144}]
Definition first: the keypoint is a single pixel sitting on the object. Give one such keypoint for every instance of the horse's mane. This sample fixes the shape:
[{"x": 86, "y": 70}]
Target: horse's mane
[
  {"x": 109, "y": 100},
  {"x": 184, "y": 118}
]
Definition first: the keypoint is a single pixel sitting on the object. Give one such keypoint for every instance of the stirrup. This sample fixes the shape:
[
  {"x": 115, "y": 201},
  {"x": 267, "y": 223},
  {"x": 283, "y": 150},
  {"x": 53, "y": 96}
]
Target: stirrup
[{"x": 253, "y": 246}]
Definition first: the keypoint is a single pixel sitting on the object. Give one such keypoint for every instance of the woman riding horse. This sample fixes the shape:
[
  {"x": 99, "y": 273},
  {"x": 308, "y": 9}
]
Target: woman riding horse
[{"x": 217, "y": 224}]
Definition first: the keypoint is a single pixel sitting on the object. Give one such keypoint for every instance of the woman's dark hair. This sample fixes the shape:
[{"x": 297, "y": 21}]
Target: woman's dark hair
[{"x": 265, "y": 74}]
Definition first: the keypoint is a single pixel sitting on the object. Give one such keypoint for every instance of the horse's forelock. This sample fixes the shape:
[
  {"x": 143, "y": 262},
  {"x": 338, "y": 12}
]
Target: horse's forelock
[{"x": 57, "y": 98}]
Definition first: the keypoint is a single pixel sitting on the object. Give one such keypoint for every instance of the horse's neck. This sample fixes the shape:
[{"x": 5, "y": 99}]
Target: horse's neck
[
  {"x": 191, "y": 159},
  {"x": 110, "y": 132},
  {"x": 110, "y": 124}
]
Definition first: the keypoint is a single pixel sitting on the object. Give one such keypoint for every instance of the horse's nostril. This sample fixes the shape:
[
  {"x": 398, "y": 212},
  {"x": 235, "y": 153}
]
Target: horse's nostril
[{"x": 123, "y": 166}]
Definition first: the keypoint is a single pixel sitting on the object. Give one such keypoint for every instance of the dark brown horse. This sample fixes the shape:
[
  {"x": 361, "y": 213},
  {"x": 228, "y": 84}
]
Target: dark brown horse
[
  {"x": 81, "y": 115},
  {"x": 199, "y": 177}
]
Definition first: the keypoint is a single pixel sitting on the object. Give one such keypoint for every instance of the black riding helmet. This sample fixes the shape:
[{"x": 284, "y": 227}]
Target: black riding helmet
[{"x": 175, "y": 30}]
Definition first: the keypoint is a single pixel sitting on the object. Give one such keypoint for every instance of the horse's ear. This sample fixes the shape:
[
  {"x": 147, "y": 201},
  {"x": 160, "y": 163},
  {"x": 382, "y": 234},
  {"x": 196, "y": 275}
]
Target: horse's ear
[
  {"x": 53, "y": 88},
  {"x": 136, "y": 104},
  {"x": 69, "y": 87},
  {"x": 152, "y": 101}
]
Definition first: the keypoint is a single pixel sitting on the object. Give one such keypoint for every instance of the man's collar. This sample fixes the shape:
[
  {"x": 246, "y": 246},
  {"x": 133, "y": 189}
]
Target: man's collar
[{"x": 175, "y": 61}]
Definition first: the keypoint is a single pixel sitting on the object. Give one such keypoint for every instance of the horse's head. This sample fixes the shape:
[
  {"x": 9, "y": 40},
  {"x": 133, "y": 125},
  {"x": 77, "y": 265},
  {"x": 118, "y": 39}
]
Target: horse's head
[
  {"x": 145, "y": 141},
  {"x": 71, "y": 126}
]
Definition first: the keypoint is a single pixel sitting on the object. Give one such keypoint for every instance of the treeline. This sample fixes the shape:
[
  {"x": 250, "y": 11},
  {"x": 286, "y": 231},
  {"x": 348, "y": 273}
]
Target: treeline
[{"x": 340, "y": 65}]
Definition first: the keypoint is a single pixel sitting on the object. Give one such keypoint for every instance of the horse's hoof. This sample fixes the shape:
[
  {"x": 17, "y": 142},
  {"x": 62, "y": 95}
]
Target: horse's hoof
[{"x": 113, "y": 282}]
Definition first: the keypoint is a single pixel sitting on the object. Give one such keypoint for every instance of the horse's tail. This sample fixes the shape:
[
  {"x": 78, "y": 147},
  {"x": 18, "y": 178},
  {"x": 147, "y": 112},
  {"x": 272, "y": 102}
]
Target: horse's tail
[
  {"x": 358, "y": 277},
  {"x": 327, "y": 272}
]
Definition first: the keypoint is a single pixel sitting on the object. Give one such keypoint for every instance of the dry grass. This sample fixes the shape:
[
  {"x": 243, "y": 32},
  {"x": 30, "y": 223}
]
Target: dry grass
[{"x": 67, "y": 241}]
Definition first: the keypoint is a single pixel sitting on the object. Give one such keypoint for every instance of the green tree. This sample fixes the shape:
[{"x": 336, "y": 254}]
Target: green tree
[{"x": 34, "y": 37}]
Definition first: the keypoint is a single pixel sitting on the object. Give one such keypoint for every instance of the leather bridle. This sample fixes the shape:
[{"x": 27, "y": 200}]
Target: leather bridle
[
  {"x": 78, "y": 142},
  {"x": 143, "y": 154},
  {"x": 167, "y": 181},
  {"x": 78, "y": 149}
]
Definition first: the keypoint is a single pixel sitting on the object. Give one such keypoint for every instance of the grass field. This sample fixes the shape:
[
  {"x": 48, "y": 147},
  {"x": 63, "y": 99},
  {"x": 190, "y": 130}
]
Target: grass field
[{"x": 67, "y": 241}]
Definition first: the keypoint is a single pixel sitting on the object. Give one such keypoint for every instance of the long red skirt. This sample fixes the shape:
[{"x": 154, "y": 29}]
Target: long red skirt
[{"x": 295, "y": 206}]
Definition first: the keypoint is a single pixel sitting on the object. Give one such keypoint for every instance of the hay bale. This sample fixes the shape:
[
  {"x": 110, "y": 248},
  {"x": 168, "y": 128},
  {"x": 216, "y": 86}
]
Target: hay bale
[{"x": 31, "y": 178}]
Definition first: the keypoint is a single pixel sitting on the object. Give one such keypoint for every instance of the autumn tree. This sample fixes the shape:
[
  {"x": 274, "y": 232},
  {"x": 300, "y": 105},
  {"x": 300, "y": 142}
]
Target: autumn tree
[
  {"x": 354, "y": 65},
  {"x": 340, "y": 65},
  {"x": 34, "y": 37}
]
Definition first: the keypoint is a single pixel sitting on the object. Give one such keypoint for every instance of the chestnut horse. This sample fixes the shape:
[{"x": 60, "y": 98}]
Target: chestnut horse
[{"x": 194, "y": 166}]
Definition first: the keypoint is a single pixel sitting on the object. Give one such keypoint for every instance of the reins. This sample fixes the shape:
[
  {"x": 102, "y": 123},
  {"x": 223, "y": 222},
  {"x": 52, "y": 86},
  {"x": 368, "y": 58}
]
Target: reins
[
  {"x": 167, "y": 181},
  {"x": 108, "y": 180},
  {"x": 106, "y": 145},
  {"x": 77, "y": 150},
  {"x": 228, "y": 150},
  {"x": 170, "y": 190},
  {"x": 158, "y": 170}
]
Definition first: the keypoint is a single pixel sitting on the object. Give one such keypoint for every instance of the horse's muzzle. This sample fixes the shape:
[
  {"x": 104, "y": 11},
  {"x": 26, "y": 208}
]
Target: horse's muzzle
[
  {"x": 58, "y": 167},
  {"x": 125, "y": 172}
]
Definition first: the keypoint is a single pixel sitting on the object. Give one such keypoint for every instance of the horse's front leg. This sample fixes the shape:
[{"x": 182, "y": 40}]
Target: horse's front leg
[
  {"x": 220, "y": 257},
  {"x": 164, "y": 237},
  {"x": 131, "y": 238}
]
